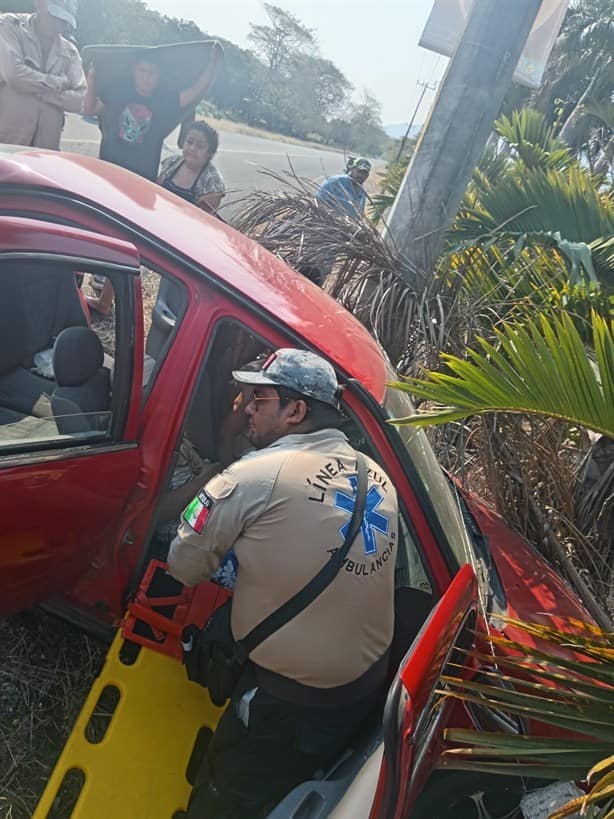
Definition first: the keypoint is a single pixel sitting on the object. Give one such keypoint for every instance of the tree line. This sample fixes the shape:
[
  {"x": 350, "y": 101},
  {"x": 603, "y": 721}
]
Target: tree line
[{"x": 282, "y": 83}]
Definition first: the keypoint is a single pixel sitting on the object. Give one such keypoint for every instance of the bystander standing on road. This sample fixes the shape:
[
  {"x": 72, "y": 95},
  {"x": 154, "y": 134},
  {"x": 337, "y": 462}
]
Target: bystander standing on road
[
  {"x": 345, "y": 191},
  {"x": 135, "y": 115},
  {"x": 41, "y": 76},
  {"x": 346, "y": 195}
]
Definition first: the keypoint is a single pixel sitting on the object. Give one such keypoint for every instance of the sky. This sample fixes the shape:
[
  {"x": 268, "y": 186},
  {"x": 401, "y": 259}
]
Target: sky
[{"x": 374, "y": 42}]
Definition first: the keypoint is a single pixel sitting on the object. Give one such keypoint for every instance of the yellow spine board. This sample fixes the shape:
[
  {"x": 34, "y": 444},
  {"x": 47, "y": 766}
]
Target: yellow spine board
[{"x": 138, "y": 770}]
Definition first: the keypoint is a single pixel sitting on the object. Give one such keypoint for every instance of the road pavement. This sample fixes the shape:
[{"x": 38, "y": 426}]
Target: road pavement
[{"x": 240, "y": 158}]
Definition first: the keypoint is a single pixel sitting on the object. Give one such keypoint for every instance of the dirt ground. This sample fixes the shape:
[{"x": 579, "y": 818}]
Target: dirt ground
[{"x": 47, "y": 670}]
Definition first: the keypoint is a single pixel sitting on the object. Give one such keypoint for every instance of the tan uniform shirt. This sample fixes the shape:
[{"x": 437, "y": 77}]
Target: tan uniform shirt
[
  {"x": 283, "y": 510},
  {"x": 35, "y": 93}
]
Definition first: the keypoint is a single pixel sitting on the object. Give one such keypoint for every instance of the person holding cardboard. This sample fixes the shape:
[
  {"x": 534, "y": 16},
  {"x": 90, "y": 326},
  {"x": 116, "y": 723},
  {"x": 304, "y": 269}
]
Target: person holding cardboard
[{"x": 138, "y": 112}]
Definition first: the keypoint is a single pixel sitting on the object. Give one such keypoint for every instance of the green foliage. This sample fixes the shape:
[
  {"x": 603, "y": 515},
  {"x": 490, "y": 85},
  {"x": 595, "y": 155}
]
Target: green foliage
[
  {"x": 300, "y": 93},
  {"x": 580, "y": 75},
  {"x": 533, "y": 141},
  {"x": 540, "y": 367},
  {"x": 601, "y": 111},
  {"x": 530, "y": 192},
  {"x": 538, "y": 201},
  {"x": 282, "y": 40},
  {"x": 584, "y": 46},
  {"x": 563, "y": 677}
]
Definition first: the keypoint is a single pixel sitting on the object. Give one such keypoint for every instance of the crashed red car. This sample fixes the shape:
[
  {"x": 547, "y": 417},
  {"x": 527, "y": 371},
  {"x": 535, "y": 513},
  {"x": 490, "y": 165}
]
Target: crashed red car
[{"x": 88, "y": 448}]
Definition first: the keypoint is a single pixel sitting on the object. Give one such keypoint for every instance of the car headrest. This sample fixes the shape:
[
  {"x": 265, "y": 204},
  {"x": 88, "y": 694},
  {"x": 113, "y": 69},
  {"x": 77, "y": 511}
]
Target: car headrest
[{"x": 77, "y": 356}]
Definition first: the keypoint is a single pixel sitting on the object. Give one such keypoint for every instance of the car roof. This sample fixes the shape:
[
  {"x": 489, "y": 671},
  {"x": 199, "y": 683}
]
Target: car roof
[{"x": 242, "y": 264}]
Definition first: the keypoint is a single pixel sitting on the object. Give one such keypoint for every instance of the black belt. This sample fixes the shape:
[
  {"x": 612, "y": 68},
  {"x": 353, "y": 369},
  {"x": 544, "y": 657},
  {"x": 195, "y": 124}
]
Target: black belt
[{"x": 295, "y": 692}]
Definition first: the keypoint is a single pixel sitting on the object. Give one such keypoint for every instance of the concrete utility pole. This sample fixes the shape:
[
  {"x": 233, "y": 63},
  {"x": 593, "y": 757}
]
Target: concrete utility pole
[{"x": 452, "y": 141}]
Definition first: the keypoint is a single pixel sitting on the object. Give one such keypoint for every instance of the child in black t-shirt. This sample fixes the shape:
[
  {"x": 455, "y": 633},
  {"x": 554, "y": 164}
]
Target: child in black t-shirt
[{"x": 136, "y": 115}]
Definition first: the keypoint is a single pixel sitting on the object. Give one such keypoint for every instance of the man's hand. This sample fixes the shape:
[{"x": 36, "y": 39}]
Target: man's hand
[
  {"x": 92, "y": 106},
  {"x": 193, "y": 95}
]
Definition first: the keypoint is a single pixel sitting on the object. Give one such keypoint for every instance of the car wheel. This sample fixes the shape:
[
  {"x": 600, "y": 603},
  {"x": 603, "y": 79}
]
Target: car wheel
[{"x": 460, "y": 795}]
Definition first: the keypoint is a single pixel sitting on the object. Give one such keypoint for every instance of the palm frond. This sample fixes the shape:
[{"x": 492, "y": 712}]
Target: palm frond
[
  {"x": 533, "y": 140},
  {"x": 538, "y": 201},
  {"x": 567, "y": 681},
  {"x": 410, "y": 313},
  {"x": 603, "y": 112},
  {"x": 540, "y": 368}
]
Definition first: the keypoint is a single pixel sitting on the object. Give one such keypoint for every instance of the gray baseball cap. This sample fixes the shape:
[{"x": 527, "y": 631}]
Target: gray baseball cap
[
  {"x": 298, "y": 370},
  {"x": 64, "y": 10}
]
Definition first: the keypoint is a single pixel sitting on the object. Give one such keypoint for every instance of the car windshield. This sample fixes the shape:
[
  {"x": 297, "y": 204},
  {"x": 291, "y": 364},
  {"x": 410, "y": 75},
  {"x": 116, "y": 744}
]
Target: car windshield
[{"x": 397, "y": 404}]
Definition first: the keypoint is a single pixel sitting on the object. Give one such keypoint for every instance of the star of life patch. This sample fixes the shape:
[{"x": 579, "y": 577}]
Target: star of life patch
[{"x": 197, "y": 511}]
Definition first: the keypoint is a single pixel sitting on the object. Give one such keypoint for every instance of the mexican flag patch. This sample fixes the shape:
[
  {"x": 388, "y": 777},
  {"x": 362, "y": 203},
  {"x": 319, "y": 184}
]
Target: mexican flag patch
[{"x": 197, "y": 512}]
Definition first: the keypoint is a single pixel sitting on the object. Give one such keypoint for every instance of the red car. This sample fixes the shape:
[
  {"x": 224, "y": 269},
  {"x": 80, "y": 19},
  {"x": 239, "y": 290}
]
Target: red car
[{"x": 90, "y": 447}]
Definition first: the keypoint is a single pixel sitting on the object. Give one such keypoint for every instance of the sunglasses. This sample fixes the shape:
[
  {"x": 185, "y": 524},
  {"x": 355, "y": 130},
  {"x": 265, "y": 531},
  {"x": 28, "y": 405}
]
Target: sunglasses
[{"x": 257, "y": 396}]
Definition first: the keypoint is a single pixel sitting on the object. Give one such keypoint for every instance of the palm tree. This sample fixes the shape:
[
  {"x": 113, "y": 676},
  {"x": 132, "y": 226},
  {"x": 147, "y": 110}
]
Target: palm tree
[
  {"x": 538, "y": 196},
  {"x": 542, "y": 367},
  {"x": 582, "y": 55}
]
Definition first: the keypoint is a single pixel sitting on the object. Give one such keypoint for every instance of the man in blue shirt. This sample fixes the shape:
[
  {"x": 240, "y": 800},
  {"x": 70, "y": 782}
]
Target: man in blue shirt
[{"x": 345, "y": 191}]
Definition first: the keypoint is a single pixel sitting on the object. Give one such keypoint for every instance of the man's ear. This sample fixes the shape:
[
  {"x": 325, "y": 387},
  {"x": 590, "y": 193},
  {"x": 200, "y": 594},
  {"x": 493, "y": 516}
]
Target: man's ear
[{"x": 298, "y": 412}]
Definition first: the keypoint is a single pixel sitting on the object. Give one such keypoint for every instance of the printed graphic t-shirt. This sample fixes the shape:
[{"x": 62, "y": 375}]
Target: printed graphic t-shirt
[{"x": 134, "y": 127}]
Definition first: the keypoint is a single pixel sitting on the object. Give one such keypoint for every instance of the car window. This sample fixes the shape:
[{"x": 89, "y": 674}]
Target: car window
[
  {"x": 164, "y": 304},
  {"x": 445, "y": 503},
  {"x": 411, "y": 569},
  {"x": 57, "y": 366}
]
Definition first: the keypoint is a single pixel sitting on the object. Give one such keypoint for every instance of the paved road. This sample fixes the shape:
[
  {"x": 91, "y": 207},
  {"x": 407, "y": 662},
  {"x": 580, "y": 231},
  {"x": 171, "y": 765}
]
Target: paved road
[{"x": 240, "y": 158}]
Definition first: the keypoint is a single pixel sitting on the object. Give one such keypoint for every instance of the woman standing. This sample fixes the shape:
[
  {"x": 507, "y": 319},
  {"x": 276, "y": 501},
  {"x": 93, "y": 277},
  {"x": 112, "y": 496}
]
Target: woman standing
[{"x": 193, "y": 176}]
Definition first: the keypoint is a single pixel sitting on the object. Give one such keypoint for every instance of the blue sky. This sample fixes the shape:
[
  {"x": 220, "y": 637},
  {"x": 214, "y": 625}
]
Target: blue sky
[{"x": 374, "y": 43}]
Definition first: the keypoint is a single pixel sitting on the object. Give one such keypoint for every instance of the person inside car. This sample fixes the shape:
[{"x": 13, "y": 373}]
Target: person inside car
[
  {"x": 192, "y": 471},
  {"x": 284, "y": 510}
]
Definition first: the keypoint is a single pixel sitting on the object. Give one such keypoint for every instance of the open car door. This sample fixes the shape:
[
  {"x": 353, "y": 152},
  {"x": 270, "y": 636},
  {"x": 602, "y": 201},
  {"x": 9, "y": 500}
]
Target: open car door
[
  {"x": 415, "y": 713},
  {"x": 69, "y": 404}
]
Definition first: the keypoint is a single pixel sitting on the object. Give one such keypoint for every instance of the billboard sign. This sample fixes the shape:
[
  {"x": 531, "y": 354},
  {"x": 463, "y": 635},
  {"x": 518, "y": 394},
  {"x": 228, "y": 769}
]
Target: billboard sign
[{"x": 448, "y": 19}]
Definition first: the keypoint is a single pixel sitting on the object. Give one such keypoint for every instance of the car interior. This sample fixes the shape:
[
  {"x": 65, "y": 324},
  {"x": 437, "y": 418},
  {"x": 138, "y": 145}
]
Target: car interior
[
  {"x": 58, "y": 357},
  {"x": 54, "y": 379}
]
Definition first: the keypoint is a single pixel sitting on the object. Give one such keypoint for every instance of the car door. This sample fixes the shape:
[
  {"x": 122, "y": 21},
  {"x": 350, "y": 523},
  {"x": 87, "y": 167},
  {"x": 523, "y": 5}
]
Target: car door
[
  {"x": 415, "y": 712},
  {"x": 68, "y": 410}
]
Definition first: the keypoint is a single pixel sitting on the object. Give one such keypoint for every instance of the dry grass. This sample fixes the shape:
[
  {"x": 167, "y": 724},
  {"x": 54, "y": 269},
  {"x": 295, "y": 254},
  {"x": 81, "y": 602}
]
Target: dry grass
[
  {"x": 47, "y": 670},
  {"x": 248, "y": 130},
  {"x": 412, "y": 315}
]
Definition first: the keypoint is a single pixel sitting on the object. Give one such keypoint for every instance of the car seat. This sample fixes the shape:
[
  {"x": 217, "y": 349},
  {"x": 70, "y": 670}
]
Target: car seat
[
  {"x": 20, "y": 390},
  {"x": 170, "y": 304},
  {"x": 52, "y": 302},
  {"x": 81, "y": 400}
]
